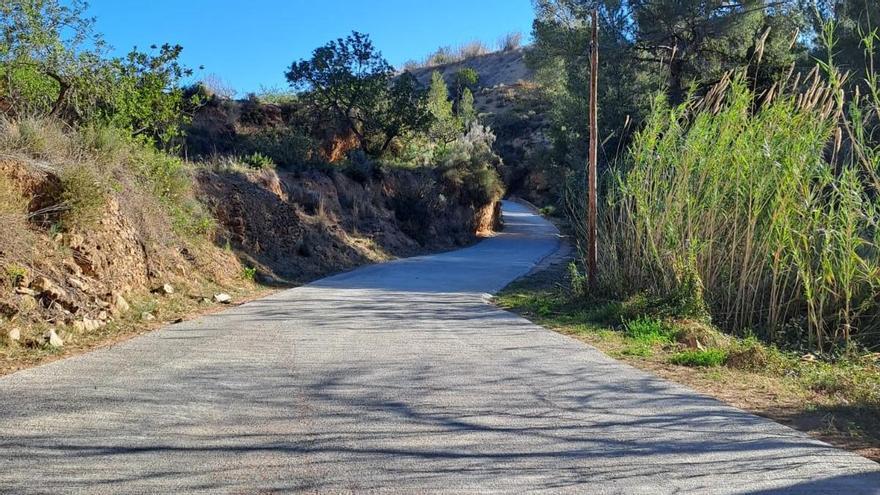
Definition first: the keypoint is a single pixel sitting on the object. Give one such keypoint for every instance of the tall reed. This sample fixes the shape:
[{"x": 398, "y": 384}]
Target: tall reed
[{"x": 750, "y": 207}]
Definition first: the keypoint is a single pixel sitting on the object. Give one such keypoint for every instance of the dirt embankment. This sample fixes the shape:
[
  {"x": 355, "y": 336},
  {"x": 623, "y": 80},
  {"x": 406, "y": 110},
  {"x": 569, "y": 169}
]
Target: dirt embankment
[
  {"x": 284, "y": 227},
  {"x": 294, "y": 226}
]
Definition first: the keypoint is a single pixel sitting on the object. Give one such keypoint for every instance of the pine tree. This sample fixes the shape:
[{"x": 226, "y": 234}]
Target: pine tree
[
  {"x": 466, "y": 112},
  {"x": 446, "y": 126}
]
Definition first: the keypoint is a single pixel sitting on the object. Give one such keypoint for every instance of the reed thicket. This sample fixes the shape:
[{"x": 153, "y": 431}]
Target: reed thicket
[{"x": 758, "y": 211}]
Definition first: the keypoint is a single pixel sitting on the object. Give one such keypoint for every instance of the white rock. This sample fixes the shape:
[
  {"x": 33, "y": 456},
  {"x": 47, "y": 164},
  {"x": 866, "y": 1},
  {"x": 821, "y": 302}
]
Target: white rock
[
  {"x": 52, "y": 338},
  {"x": 14, "y": 335},
  {"x": 120, "y": 305},
  {"x": 146, "y": 316},
  {"x": 88, "y": 325},
  {"x": 166, "y": 289},
  {"x": 222, "y": 298}
]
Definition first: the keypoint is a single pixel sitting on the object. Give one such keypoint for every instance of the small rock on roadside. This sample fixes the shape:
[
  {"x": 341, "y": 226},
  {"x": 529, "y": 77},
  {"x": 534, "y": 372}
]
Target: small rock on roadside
[
  {"x": 147, "y": 316},
  {"x": 14, "y": 335},
  {"x": 165, "y": 289},
  {"x": 53, "y": 339},
  {"x": 222, "y": 298},
  {"x": 87, "y": 325}
]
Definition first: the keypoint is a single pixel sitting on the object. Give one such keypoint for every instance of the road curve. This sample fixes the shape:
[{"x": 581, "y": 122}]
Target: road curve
[{"x": 391, "y": 378}]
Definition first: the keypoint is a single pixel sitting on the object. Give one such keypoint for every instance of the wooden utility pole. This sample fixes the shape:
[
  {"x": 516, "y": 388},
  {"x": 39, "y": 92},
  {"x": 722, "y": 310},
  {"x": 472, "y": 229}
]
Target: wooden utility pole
[{"x": 592, "y": 230}]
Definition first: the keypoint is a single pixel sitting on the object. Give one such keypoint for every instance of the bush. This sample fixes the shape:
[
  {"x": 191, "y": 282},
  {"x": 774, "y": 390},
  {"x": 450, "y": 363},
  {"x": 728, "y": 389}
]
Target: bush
[
  {"x": 83, "y": 197},
  {"x": 469, "y": 167},
  {"x": 258, "y": 160},
  {"x": 510, "y": 41},
  {"x": 708, "y": 358},
  {"x": 284, "y": 146},
  {"x": 39, "y": 138}
]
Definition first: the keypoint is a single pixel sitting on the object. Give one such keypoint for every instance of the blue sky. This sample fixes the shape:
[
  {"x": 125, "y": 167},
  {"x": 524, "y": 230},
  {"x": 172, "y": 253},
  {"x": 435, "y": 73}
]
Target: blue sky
[{"x": 250, "y": 44}]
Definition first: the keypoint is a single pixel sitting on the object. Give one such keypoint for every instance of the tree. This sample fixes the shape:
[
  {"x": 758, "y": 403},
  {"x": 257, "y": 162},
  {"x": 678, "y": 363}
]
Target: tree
[
  {"x": 648, "y": 46},
  {"x": 350, "y": 79},
  {"x": 145, "y": 95},
  {"x": 446, "y": 127},
  {"x": 50, "y": 56},
  {"x": 466, "y": 112},
  {"x": 466, "y": 78}
]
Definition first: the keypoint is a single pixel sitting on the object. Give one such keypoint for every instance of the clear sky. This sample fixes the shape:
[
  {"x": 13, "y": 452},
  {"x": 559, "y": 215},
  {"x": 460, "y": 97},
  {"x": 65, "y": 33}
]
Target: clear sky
[{"x": 249, "y": 44}]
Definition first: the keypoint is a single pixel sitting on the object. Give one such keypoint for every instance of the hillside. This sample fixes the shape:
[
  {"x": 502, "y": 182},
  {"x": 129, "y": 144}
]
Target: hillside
[{"x": 508, "y": 98}]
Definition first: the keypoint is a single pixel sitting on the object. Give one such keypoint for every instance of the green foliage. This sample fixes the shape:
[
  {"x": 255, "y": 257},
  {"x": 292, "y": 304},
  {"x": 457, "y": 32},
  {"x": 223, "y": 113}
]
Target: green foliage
[
  {"x": 469, "y": 167},
  {"x": 50, "y": 57},
  {"x": 13, "y": 273},
  {"x": 249, "y": 273},
  {"x": 258, "y": 160},
  {"x": 649, "y": 331},
  {"x": 351, "y": 81},
  {"x": 445, "y": 127},
  {"x": 708, "y": 358},
  {"x": 52, "y": 63},
  {"x": 695, "y": 216},
  {"x": 144, "y": 95},
  {"x": 168, "y": 180},
  {"x": 646, "y": 47},
  {"x": 284, "y": 146},
  {"x": 467, "y": 114}
]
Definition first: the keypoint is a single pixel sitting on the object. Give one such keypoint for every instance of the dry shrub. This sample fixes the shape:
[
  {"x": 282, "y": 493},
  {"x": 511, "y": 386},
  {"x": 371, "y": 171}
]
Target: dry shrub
[
  {"x": 84, "y": 194},
  {"x": 42, "y": 139},
  {"x": 16, "y": 239}
]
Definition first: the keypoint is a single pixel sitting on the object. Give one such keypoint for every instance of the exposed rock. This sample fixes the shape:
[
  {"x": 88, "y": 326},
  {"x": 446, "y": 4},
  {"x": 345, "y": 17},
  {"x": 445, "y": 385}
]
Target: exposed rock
[
  {"x": 222, "y": 298},
  {"x": 52, "y": 338},
  {"x": 14, "y": 334},
  {"x": 25, "y": 291},
  {"x": 164, "y": 289},
  {"x": 103, "y": 316},
  {"x": 120, "y": 305},
  {"x": 147, "y": 316},
  {"x": 87, "y": 325},
  {"x": 79, "y": 284},
  {"x": 42, "y": 284}
]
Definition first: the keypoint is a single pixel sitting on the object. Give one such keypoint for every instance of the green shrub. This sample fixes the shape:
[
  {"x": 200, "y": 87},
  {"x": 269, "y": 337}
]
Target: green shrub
[
  {"x": 649, "y": 331},
  {"x": 699, "y": 358},
  {"x": 249, "y": 273},
  {"x": 469, "y": 167},
  {"x": 283, "y": 146},
  {"x": 258, "y": 160}
]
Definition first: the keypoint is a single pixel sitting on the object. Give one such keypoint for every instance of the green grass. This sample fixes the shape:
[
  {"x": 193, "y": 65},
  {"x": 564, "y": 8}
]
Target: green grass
[
  {"x": 649, "y": 331},
  {"x": 706, "y": 358}
]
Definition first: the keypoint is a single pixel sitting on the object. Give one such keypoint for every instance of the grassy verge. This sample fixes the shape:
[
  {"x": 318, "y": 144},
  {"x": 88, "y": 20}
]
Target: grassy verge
[{"x": 838, "y": 402}]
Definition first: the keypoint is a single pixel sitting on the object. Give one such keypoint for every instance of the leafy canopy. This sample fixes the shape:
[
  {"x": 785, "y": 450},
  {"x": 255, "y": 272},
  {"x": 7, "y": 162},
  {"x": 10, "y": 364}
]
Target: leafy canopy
[{"x": 349, "y": 79}]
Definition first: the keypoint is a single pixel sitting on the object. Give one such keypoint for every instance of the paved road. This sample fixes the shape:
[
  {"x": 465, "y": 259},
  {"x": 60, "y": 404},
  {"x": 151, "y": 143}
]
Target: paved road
[{"x": 394, "y": 378}]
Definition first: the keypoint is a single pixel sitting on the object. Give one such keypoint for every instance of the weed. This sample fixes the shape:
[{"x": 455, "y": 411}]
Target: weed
[
  {"x": 648, "y": 331},
  {"x": 249, "y": 273},
  {"x": 699, "y": 358},
  {"x": 258, "y": 160}
]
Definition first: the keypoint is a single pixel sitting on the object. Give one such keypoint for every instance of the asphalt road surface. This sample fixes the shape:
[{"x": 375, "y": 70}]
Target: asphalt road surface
[{"x": 391, "y": 378}]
